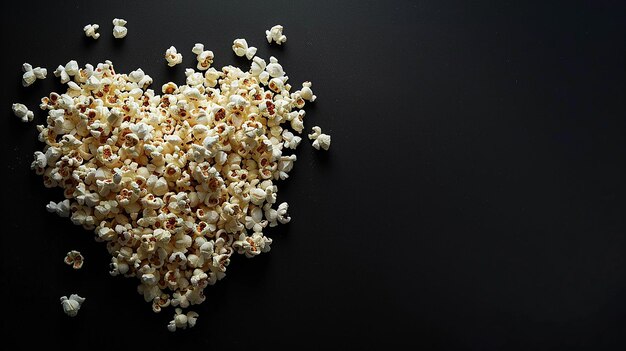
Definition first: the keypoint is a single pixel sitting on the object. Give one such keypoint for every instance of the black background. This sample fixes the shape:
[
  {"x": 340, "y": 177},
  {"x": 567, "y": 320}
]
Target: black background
[{"x": 473, "y": 196}]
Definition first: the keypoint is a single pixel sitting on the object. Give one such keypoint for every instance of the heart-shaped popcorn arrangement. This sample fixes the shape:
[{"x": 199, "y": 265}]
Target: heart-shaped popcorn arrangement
[{"x": 176, "y": 183}]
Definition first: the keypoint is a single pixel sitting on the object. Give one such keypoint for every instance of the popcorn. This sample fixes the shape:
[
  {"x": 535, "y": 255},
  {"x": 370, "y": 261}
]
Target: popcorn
[
  {"x": 198, "y": 48},
  {"x": 274, "y": 69},
  {"x": 297, "y": 120},
  {"x": 40, "y": 162},
  {"x": 275, "y": 34},
  {"x": 204, "y": 57},
  {"x": 291, "y": 141},
  {"x": 90, "y": 31},
  {"x": 72, "y": 305},
  {"x": 173, "y": 57},
  {"x": 65, "y": 72},
  {"x": 119, "y": 28},
  {"x": 281, "y": 213},
  {"x": 176, "y": 181},
  {"x": 258, "y": 66},
  {"x": 319, "y": 139},
  {"x": 22, "y": 112},
  {"x": 306, "y": 93},
  {"x": 140, "y": 78},
  {"x": 61, "y": 208},
  {"x": 74, "y": 259},
  {"x": 32, "y": 74},
  {"x": 182, "y": 321},
  {"x": 240, "y": 47}
]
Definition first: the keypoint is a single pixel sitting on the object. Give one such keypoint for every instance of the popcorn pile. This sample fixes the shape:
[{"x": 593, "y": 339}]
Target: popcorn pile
[{"x": 176, "y": 183}]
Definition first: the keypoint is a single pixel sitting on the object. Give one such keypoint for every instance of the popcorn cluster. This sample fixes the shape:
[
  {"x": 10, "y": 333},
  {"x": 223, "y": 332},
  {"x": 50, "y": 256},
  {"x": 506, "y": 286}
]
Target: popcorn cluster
[{"x": 176, "y": 183}]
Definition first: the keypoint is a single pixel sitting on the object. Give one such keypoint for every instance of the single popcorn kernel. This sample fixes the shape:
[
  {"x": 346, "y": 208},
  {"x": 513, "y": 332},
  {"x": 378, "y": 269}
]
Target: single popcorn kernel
[
  {"x": 72, "y": 304},
  {"x": 22, "y": 112},
  {"x": 74, "y": 259},
  {"x": 173, "y": 57},
  {"x": 91, "y": 31},
  {"x": 240, "y": 47},
  {"x": 320, "y": 140},
  {"x": 275, "y": 34},
  {"x": 32, "y": 74},
  {"x": 119, "y": 28}
]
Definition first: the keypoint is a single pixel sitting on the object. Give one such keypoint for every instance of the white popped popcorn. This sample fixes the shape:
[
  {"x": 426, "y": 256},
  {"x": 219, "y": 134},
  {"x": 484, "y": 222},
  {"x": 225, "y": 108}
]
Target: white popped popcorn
[
  {"x": 140, "y": 78},
  {"x": 204, "y": 57},
  {"x": 72, "y": 304},
  {"x": 61, "y": 208},
  {"x": 182, "y": 321},
  {"x": 91, "y": 31},
  {"x": 291, "y": 141},
  {"x": 198, "y": 48},
  {"x": 276, "y": 35},
  {"x": 320, "y": 140},
  {"x": 240, "y": 47},
  {"x": 274, "y": 68},
  {"x": 22, "y": 112},
  {"x": 32, "y": 74},
  {"x": 178, "y": 179},
  {"x": 74, "y": 259},
  {"x": 65, "y": 72},
  {"x": 306, "y": 93},
  {"x": 173, "y": 57},
  {"x": 119, "y": 28},
  {"x": 258, "y": 66}
]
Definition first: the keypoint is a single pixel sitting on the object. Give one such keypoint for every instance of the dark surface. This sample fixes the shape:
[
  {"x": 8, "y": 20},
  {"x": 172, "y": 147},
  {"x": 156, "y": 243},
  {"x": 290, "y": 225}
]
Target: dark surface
[{"x": 473, "y": 197}]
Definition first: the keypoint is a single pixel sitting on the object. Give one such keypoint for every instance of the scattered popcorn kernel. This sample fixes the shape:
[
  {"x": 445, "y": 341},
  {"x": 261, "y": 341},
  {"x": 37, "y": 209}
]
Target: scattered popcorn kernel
[
  {"x": 319, "y": 139},
  {"x": 173, "y": 57},
  {"x": 119, "y": 22},
  {"x": 65, "y": 72},
  {"x": 275, "y": 34},
  {"x": 72, "y": 305},
  {"x": 240, "y": 47},
  {"x": 61, "y": 208},
  {"x": 182, "y": 321},
  {"x": 306, "y": 93},
  {"x": 204, "y": 57},
  {"x": 32, "y": 74},
  {"x": 198, "y": 48},
  {"x": 119, "y": 28},
  {"x": 22, "y": 112},
  {"x": 74, "y": 259},
  {"x": 91, "y": 31}
]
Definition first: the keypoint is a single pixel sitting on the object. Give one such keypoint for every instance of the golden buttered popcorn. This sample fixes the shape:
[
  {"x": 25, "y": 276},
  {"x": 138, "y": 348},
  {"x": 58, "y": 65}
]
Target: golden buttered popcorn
[{"x": 174, "y": 183}]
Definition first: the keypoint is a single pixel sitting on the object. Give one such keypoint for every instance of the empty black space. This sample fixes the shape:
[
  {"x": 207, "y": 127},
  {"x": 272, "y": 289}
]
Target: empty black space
[{"x": 473, "y": 196}]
